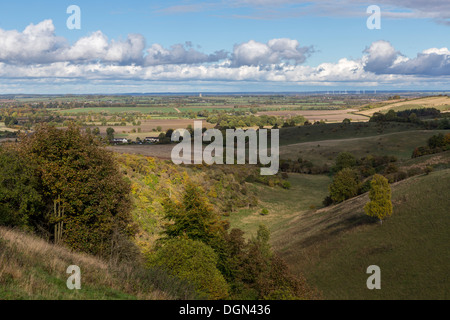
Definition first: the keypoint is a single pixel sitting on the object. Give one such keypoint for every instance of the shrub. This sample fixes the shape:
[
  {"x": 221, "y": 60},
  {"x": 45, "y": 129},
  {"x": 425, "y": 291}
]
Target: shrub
[
  {"x": 195, "y": 262},
  {"x": 344, "y": 160},
  {"x": 286, "y": 185},
  {"x": 264, "y": 212},
  {"x": 428, "y": 170}
]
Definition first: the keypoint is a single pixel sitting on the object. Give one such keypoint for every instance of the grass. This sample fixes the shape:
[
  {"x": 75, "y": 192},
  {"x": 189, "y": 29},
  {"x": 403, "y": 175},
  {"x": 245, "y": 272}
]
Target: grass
[
  {"x": 336, "y": 131},
  {"x": 398, "y": 144},
  {"x": 334, "y": 246},
  {"x": 306, "y": 191},
  {"x": 32, "y": 269}
]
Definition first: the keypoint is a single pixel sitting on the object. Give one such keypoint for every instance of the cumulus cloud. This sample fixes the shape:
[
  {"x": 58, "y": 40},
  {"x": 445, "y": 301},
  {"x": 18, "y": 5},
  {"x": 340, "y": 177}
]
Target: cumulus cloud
[
  {"x": 382, "y": 58},
  {"x": 36, "y": 44},
  {"x": 39, "y": 44},
  {"x": 180, "y": 54},
  {"x": 37, "y": 54},
  {"x": 275, "y": 51}
]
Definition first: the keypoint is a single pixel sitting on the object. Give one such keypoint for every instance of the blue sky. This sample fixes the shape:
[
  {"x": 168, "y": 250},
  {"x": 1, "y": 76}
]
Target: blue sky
[{"x": 235, "y": 45}]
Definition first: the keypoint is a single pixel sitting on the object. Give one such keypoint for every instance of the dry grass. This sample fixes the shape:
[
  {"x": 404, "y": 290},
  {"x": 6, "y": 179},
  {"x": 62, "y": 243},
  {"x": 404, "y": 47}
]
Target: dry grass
[{"x": 31, "y": 268}]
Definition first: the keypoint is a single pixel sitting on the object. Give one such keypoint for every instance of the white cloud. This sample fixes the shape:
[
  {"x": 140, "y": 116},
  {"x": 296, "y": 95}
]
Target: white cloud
[
  {"x": 254, "y": 53},
  {"x": 180, "y": 54},
  {"x": 382, "y": 58},
  {"x": 36, "y": 44},
  {"x": 38, "y": 56}
]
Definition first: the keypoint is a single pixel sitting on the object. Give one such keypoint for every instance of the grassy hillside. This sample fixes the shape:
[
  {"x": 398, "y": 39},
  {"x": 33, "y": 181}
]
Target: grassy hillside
[
  {"x": 398, "y": 144},
  {"x": 335, "y": 131},
  {"x": 31, "y": 268},
  {"x": 334, "y": 246},
  {"x": 307, "y": 192}
]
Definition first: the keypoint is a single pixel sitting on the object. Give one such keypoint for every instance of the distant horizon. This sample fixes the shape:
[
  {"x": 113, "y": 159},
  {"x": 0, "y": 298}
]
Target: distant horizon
[{"x": 205, "y": 93}]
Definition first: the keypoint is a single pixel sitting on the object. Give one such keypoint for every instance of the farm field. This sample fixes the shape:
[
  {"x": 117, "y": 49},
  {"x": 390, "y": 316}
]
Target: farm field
[
  {"x": 440, "y": 103},
  {"x": 115, "y": 110},
  {"x": 318, "y": 115},
  {"x": 4, "y": 128},
  {"x": 147, "y": 127},
  {"x": 161, "y": 151}
]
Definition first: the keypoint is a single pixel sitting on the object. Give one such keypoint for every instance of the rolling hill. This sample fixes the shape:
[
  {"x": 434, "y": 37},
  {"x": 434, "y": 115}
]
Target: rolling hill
[{"x": 334, "y": 246}]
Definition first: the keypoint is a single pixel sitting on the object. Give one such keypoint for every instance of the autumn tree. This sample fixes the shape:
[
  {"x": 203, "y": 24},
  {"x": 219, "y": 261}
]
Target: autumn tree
[
  {"x": 345, "y": 185},
  {"x": 194, "y": 217},
  {"x": 74, "y": 169},
  {"x": 380, "y": 205}
]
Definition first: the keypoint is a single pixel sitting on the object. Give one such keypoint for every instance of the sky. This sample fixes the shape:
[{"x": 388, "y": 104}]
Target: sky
[{"x": 140, "y": 46}]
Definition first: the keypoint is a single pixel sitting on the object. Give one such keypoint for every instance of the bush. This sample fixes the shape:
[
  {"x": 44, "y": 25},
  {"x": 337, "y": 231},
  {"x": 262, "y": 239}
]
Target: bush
[
  {"x": 327, "y": 201},
  {"x": 286, "y": 185},
  {"x": 195, "y": 262},
  {"x": 264, "y": 212},
  {"x": 344, "y": 160}
]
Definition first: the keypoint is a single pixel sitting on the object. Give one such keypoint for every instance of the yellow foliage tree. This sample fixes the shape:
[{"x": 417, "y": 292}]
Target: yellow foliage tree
[{"x": 380, "y": 205}]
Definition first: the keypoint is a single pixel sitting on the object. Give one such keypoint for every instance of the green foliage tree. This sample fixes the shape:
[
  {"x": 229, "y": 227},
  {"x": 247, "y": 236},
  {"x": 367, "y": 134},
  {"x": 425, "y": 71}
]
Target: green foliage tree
[
  {"x": 74, "y": 167},
  {"x": 110, "y": 133},
  {"x": 194, "y": 217},
  {"x": 344, "y": 160},
  {"x": 195, "y": 262},
  {"x": 344, "y": 186},
  {"x": 380, "y": 205},
  {"x": 21, "y": 203}
]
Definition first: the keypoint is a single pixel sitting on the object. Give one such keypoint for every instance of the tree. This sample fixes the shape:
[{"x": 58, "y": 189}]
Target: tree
[
  {"x": 195, "y": 262},
  {"x": 344, "y": 186},
  {"x": 169, "y": 133},
  {"x": 20, "y": 200},
  {"x": 194, "y": 217},
  {"x": 110, "y": 133},
  {"x": 380, "y": 205},
  {"x": 96, "y": 131},
  {"x": 74, "y": 169},
  {"x": 344, "y": 160}
]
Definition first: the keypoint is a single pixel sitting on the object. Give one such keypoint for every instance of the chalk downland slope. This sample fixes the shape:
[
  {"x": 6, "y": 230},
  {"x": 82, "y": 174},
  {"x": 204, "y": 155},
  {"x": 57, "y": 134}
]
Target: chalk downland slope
[
  {"x": 334, "y": 246},
  {"x": 32, "y": 269}
]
